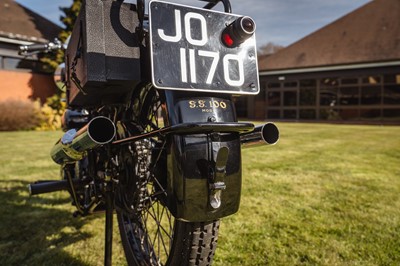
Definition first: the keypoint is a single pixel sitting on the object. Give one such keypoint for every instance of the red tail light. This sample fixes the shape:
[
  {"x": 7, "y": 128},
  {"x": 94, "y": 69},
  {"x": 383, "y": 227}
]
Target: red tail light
[{"x": 238, "y": 32}]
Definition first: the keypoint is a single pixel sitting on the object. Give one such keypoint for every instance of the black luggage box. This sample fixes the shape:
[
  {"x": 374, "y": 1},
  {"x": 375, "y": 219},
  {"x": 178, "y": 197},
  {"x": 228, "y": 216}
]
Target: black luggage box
[{"x": 103, "y": 55}]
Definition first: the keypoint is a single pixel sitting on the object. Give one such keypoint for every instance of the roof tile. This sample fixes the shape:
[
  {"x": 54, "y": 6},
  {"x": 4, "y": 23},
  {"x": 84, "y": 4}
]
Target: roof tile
[
  {"x": 371, "y": 33},
  {"x": 18, "y": 22}
]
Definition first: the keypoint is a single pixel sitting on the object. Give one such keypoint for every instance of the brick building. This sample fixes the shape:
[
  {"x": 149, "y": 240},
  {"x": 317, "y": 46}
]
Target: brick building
[
  {"x": 348, "y": 71},
  {"x": 23, "y": 78}
]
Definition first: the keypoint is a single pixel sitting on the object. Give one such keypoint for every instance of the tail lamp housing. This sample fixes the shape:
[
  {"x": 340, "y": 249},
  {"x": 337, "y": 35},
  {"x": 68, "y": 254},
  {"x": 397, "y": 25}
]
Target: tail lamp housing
[{"x": 238, "y": 32}]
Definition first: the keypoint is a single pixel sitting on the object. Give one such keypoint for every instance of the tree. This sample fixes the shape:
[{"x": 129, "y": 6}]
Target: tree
[
  {"x": 269, "y": 48},
  {"x": 54, "y": 107},
  {"x": 68, "y": 19}
]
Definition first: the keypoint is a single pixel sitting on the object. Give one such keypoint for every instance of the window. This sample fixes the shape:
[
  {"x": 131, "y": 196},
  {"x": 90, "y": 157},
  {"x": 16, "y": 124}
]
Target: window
[
  {"x": 391, "y": 114},
  {"x": 308, "y": 92},
  {"x": 349, "y": 81},
  {"x": 328, "y": 96},
  {"x": 274, "y": 98},
  {"x": 289, "y": 114},
  {"x": 306, "y": 83},
  {"x": 328, "y": 92},
  {"x": 370, "y": 113},
  {"x": 274, "y": 85},
  {"x": 348, "y": 96},
  {"x": 290, "y": 84},
  {"x": 290, "y": 98},
  {"x": 21, "y": 64},
  {"x": 329, "y": 82},
  {"x": 307, "y": 114},
  {"x": 273, "y": 114},
  {"x": 394, "y": 78},
  {"x": 371, "y": 95},
  {"x": 391, "y": 94},
  {"x": 371, "y": 80},
  {"x": 329, "y": 114},
  {"x": 11, "y": 63},
  {"x": 308, "y": 97}
]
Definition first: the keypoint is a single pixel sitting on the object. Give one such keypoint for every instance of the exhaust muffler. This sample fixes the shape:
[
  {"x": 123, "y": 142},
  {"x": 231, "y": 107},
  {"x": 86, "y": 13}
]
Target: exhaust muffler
[
  {"x": 73, "y": 145},
  {"x": 267, "y": 134}
]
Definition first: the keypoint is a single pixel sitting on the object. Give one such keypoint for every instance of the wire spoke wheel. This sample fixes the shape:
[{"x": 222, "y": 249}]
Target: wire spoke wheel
[{"x": 149, "y": 233}]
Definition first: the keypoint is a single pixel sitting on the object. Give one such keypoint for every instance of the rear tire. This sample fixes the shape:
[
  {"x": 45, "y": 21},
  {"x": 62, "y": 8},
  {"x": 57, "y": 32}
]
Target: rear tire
[
  {"x": 195, "y": 243},
  {"x": 192, "y": 244},
  {"x": 150, "y": 235}
]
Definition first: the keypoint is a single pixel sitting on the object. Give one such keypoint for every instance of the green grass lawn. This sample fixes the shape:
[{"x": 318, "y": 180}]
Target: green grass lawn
[{"x": 324, "y": 195}]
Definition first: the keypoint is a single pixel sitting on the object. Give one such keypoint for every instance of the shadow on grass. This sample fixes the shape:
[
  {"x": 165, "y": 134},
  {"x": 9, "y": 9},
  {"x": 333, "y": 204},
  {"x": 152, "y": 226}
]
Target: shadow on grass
[{"x": 34, "y": 230}]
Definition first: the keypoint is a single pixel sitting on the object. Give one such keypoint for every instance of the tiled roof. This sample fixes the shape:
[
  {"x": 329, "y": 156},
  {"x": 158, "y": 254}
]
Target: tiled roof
[
  {"x": 367, "y": 35},
  {"x": 18, "y": 22}
]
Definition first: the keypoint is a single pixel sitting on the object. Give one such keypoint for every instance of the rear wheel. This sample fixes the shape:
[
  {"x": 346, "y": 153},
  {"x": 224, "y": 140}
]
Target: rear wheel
[{"x": 150, "y": 235}]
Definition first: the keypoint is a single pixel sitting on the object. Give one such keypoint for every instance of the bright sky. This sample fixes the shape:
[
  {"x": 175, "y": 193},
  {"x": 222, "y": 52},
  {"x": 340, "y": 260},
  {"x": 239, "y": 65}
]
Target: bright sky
[{"x": 279, "y": 21}]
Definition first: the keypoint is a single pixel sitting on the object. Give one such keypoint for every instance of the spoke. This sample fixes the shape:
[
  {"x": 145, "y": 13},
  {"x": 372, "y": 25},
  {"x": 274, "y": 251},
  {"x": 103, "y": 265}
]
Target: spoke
[
  {"x": 161, "y": 226},
  {"x": 154, "y": 225},
  {"x": 146, "y": 237},
  {"x": 156, "y": 238},
  {"x": 159, "y": 235}
]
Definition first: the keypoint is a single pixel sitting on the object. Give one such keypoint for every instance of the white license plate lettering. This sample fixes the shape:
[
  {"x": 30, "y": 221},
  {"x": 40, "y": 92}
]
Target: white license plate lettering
[{"x": 187, "y": 52}]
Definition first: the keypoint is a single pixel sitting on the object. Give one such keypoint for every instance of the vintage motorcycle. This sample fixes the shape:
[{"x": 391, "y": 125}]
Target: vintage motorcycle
[{"x": 151, "y": 129}]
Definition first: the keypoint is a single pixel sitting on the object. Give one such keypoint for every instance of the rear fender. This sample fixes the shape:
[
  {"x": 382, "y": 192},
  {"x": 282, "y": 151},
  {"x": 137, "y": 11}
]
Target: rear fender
[{"x": 204, "y": 170}]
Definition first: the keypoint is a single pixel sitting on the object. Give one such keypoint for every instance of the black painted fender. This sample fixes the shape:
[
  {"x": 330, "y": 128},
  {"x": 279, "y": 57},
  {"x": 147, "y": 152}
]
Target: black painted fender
[{"x": 204, "y": 170}]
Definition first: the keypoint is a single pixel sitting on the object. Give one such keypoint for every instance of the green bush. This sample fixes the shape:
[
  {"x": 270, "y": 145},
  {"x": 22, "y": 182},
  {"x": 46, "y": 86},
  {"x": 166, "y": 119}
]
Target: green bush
[
  {"x": 19, "y": 115},
  {"x": 28, "y": 115},
  {"x": 51, "y": 113}
]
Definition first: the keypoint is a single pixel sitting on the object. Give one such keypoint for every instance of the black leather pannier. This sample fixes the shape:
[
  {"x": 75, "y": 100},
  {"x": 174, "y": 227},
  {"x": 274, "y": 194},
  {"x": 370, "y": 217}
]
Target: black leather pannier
[{"x": 103, "y": 55}]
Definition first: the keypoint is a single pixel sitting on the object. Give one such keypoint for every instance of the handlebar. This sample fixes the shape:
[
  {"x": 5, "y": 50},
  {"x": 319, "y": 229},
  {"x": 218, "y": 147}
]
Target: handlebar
[{"x": 40, "y": 47}]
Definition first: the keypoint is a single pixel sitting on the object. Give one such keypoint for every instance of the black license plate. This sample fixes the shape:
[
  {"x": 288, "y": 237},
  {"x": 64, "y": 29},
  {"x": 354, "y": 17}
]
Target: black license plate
[{"x": 187, "y": 52}]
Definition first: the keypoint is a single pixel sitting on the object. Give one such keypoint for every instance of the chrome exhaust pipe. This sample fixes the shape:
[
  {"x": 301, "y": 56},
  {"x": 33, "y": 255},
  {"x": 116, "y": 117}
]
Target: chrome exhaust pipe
[
  {"x": 267, "y": 134},
  {"x": 74, "y": 144}
]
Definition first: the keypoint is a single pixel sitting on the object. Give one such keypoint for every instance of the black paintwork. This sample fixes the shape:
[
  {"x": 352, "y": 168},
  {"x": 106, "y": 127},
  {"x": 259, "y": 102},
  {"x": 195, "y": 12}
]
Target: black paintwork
[{"x": 191, "y": 160}]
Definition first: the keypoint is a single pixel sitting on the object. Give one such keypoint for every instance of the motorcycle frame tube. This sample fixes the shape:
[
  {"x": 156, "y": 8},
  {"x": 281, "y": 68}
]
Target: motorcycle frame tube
[{"x": 191, "y": 169}]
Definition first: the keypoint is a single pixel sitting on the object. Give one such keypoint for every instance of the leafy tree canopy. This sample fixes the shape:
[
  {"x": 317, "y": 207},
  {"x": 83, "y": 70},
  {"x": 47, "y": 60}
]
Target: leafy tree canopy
[{"x": 68, "y": 19}]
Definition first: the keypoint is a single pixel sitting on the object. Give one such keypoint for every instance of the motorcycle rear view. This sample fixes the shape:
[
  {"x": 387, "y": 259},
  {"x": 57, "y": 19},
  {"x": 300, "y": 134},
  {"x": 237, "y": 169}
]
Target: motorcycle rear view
[{"x": 151, "y": 128}]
